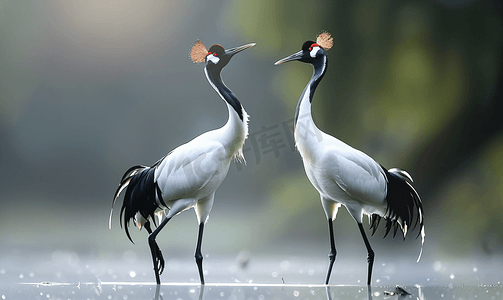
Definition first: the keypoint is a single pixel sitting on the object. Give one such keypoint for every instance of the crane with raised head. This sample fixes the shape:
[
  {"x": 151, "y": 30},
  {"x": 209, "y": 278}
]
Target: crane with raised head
[
  {"x": 188, "y": 176},
  {"x": 346, "y": 176}
]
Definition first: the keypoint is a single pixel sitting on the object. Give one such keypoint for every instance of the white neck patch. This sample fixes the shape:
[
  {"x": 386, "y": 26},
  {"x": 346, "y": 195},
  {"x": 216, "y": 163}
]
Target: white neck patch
[
  {"x": 314, "y": 51},
  {"x": 213, "y": 59}
]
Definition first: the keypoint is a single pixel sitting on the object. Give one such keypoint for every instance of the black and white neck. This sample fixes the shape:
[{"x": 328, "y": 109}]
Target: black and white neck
[
  {"x": 235, "y": 131},
  {"x": 307, "y": 135},
  {"x": 214, "y": 78},
  {"x": 320, "y": 64}
]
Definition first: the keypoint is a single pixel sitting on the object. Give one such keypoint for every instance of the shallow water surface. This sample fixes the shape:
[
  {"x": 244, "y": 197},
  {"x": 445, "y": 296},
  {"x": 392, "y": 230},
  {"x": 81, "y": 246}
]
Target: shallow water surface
[
  {"x": 179, "y": 291},
  {"x": 68, "y": 275}
]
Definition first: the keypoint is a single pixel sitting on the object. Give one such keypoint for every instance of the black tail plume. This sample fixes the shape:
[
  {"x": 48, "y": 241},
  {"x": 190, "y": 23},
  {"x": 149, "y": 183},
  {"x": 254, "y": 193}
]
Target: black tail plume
[
  {"x": 141, "y": 191},
  {"x": 126, "y": 178},
  {"x": 405, "y": 209}
]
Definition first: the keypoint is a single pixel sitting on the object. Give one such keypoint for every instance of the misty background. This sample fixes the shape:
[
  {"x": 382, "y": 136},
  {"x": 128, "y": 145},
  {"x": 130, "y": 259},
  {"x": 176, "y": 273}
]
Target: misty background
[{"x": 91, "y": 88}]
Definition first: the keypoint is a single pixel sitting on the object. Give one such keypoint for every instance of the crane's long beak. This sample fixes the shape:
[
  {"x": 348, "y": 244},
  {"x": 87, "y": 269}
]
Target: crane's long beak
[
  {"x": 295, "y": 56},
  {"x": 235, "y": 50}
]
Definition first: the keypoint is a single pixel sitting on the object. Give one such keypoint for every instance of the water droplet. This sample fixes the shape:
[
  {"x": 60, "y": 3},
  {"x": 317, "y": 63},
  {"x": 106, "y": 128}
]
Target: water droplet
[
  {"x": 222, "y": 294},
  {"x": 132, "y": 274},
  {"x": 192, "y": 291},
  {"x": 2, "y": 271},
  {"x": 452, "y": 276},
  {"x": 284, "y": 265},
  {"x": 21, "y": 276},
  {"x": 475, "y": 269},
  {"x": 296, "y": 293},
  {"x": 3, "y": 297},
  {"x": 310, "y": 272},
  {"x": 437, "y": 266},
  {"x": 274, "y": 274}
]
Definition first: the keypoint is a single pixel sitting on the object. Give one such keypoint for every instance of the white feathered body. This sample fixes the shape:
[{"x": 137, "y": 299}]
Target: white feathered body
[
  {"x": 346, "y": 176},
  {"x": 185, "y": 178},
  {"x": 190, "y": 174},
  {"x": 341, "y": 174}
]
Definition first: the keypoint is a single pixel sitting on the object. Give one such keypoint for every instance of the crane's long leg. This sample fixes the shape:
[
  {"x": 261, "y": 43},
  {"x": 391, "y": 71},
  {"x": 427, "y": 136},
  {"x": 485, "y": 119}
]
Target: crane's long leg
[
  {"x": 333, "y": 251},
  {"x": 157, "y": 258},
  {"x": 370, "y": 255},
  {"x": 198, "y": 255}
]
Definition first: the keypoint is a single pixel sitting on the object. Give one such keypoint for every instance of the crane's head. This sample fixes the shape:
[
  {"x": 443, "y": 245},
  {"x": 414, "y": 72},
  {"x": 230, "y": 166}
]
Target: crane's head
[
  {"x": 216, "y": 57},
  {"x": 311, "y": 51}
]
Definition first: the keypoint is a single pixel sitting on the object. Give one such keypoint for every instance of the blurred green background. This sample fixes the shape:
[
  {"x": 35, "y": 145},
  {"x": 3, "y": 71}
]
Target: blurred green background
[{"x": 90, "y": 88}]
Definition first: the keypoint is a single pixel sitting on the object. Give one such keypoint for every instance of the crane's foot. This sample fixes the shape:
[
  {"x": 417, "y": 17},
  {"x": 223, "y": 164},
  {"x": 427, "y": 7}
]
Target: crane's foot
[
  {"x": 160, "y": 261},
  {"x": 157, "y": 259}
]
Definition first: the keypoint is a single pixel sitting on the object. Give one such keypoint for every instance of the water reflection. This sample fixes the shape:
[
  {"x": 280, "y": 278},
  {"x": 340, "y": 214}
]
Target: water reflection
[
  {"x": 191, "y": 291},
  {"x": 320, "y": 292},
  {"x": 260, "y": 291},
  {"x": 156, "y": 295}
]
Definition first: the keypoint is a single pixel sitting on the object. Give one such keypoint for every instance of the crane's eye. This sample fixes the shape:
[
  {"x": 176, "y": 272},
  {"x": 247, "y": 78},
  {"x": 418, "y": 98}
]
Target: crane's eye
[{"x": 215, "y": 54}]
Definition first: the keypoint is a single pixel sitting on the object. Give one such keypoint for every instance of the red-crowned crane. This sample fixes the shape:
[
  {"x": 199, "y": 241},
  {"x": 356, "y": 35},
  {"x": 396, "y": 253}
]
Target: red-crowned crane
[
  {"x": 188, "y": 176},
  {"x": 346, "y": 176}
]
